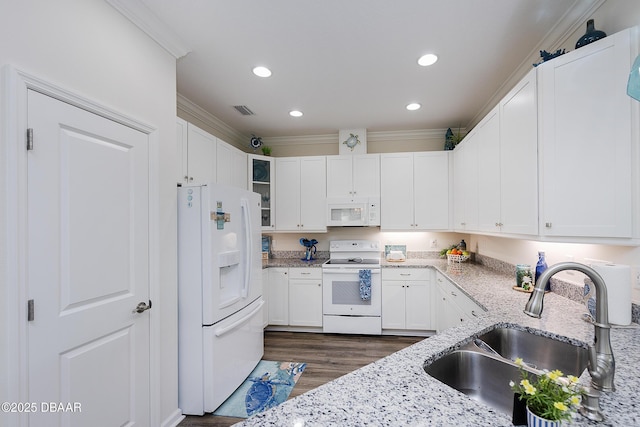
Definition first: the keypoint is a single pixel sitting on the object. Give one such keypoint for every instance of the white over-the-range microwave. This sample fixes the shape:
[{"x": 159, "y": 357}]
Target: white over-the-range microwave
[{"x": 353, "y": 212}]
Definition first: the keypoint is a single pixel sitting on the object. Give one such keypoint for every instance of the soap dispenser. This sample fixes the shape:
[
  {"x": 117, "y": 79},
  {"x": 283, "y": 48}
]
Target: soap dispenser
[
  {"x": 462, "y": 246},
  {"x": 540, "y": 268}
]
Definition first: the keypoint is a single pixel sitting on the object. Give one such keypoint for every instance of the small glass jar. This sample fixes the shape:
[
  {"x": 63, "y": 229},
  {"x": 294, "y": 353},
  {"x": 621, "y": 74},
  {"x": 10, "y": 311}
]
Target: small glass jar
[{"x": 524, "y": 276}]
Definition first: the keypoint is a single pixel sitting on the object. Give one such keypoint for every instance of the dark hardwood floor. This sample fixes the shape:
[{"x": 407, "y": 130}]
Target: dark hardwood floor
[{"x": 328, "y": 356}]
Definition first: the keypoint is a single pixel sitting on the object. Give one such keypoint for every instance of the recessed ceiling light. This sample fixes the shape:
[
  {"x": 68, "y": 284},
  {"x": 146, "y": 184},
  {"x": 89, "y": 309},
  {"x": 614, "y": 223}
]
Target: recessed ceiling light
[
  {"x": 295, "y": 113},
  {"x": 428, "y": 59},
  {"x": 413, "y": 106},
  {"x": 262, "y": 72}
]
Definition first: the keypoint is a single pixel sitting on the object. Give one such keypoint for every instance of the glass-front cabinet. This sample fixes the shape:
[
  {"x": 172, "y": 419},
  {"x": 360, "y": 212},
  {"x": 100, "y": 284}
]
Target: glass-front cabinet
[{"x": 261, "y": 181}]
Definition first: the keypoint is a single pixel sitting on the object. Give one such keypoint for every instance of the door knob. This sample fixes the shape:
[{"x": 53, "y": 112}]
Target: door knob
[{"x": 142, "y": 307}]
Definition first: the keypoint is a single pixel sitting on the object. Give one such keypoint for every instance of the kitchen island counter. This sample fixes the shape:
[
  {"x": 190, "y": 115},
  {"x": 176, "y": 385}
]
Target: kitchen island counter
[{"x": 396, "y": 391}]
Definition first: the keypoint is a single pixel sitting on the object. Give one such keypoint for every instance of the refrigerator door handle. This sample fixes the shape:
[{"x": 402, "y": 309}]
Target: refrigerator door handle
[
  {"x": 229, "y": 328},
  {"x": 244, "y": 204}
]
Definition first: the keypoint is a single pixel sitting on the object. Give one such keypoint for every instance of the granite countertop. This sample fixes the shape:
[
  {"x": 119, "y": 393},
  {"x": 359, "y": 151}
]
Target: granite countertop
[{"x": 396, "y": 391}]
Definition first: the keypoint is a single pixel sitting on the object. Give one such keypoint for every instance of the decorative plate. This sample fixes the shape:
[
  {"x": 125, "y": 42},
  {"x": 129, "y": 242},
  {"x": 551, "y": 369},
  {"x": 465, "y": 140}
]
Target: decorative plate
[{"x": 352, "y": 141}]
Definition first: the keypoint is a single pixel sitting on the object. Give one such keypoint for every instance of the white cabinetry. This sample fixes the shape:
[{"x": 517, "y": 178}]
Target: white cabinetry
[
  {"x": 488, "y": 158},
  {"x": 414, "y": 191},
  {"x": 278, "y": 294},
  {"x": 353, "y": 176},
  {"x": 453, "y": 306},
  {"x": 301, "y": 193},
  {"x": 261, "y": 178},
  {"x": 265, "y": 297},
  {"x": 196, "y": 152},
  {"x": 465, "y": 184},
  {"x": 407, "y": 299},
  {"x": 518, "y": 158},
  {"x": 305, "y": 297},
  {"x": 586, "y": 150},
  {"x": 231, "y": 165}
]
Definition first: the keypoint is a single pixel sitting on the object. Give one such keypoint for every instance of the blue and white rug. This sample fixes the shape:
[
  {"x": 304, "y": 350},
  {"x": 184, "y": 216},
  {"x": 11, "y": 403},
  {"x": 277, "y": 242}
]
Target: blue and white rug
[{"x": 267, "y": 386}]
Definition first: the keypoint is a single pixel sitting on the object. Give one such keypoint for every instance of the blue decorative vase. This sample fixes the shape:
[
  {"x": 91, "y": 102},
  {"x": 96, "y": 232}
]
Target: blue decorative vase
[
  {"x": 534, "y": 420},
  {"x": 591, "y": 35}
]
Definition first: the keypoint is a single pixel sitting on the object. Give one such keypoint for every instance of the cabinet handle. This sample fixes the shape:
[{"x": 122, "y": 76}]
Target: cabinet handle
[
  {"x": 473, "y": 313},
  {"x": 320, "y": 284},
  {"x": 190, "y": 178},
  {"x": 547, "y": 224},
  {"x": 453, "y": 294},
  {"x": 186, "y": 178},
  {"x": 305, "y": 272},
  {"x": 405, "y": 274}
]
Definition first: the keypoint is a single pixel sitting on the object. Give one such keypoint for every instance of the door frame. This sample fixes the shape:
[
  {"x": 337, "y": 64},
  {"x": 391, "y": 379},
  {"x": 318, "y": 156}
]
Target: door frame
[{"x": 13, "y": 190}]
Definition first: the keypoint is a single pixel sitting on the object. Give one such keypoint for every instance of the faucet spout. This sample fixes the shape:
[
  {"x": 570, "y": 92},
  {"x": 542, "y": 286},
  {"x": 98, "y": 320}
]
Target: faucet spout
[{"x": 601, "y": 362}]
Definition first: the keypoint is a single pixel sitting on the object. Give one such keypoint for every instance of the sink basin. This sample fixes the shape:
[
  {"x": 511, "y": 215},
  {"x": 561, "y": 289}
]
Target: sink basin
[
  {"x": 485, "y": 377},
  {"x": 537, "y": 351},
  {"x": 481, "y": 377}
]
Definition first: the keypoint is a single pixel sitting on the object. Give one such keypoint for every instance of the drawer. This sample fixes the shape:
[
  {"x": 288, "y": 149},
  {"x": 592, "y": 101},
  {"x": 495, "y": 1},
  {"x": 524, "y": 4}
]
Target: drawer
[
  {"x": 406, "y": 273},
  {"x": 305, "y": 273}
]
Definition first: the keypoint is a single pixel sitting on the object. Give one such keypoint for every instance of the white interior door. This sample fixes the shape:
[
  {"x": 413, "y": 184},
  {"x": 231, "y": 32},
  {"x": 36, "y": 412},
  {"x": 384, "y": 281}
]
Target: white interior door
[{"x": 88, "y": 267}]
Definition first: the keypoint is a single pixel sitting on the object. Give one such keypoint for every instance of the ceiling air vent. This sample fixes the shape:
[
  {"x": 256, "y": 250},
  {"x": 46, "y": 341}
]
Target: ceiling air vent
[{"x": 244, "y": 110}]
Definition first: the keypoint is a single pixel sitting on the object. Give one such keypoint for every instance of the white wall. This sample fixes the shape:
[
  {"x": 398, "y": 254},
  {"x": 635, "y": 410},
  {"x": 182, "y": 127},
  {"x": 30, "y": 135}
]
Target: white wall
[{"x": 88, "y": 48}]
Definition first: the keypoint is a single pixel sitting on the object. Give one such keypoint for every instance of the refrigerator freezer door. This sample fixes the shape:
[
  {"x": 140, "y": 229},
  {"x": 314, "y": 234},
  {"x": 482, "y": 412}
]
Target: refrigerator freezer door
[{"x": 232, "y": 348}]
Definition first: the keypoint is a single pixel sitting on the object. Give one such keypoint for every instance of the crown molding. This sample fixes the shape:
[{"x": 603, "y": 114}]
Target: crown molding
[
  {"x": 138, "y": 13},
  {"x": 558, "y": 35},
  {"x": 379, "y": 136},
  {"x": 223, "y": 130}
]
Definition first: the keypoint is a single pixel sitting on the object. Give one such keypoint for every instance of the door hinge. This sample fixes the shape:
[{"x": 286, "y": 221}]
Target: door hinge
[
  {"x": 29, "y": 139},
  {"x": 30, "y": 311}
]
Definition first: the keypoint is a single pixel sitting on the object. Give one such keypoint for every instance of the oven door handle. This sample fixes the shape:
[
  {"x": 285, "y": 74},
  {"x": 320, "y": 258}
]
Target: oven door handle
[{"x": 348, "y": 270}]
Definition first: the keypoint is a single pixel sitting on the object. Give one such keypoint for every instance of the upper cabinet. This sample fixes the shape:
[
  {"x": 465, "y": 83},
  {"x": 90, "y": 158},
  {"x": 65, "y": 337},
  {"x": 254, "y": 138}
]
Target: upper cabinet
[
  {"x": 262, "y": 181},
  {"x": 586, "y": 141},
  {"x": 197, "y": 153},
  {"x": 231, "y": 165},
  {"x": 465, "y": 184},
  {"x": 301, "y": 190},
  {"x": 519, "y": 158},
  {"x": 350, "y": 176},
  {"x": 414, "y": 191}
]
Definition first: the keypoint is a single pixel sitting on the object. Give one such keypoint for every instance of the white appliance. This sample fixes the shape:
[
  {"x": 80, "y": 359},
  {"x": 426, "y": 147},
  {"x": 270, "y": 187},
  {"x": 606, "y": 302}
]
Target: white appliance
[
  {"x": 220, "y": 329},
  {"x": 353, "y": 212},
  {"x": 344, "y": 308}
]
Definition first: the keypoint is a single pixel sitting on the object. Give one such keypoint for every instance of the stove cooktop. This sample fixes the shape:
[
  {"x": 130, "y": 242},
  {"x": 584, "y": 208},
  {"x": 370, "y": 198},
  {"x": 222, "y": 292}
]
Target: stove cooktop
[{"x": 353, "y": 261}]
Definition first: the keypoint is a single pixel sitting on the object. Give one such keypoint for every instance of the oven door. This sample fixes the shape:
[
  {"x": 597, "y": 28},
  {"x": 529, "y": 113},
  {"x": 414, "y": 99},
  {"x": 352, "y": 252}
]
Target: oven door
[{"x": 341, "y": 292}]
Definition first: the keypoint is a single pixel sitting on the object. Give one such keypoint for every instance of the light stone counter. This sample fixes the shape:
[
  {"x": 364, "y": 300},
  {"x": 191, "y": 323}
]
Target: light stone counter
[{"x": 395, "y": 390}]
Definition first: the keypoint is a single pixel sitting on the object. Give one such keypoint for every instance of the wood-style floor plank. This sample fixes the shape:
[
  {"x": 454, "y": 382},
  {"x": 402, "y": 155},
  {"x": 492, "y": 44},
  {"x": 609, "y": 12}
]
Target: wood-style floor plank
[{"x": 328, "y": 356}]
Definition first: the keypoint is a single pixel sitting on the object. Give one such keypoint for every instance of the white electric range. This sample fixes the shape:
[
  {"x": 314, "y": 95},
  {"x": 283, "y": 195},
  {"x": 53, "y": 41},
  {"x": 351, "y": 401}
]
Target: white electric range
[{"x": 346, "y": 308}]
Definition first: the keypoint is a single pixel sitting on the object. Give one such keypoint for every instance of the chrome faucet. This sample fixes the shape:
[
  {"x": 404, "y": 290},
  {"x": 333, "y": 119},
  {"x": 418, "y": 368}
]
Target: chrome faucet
[{"x": 601, "y": 363}]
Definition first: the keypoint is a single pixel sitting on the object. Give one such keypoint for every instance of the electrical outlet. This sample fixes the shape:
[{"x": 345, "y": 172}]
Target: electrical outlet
[{"x": 434, "y": 243}]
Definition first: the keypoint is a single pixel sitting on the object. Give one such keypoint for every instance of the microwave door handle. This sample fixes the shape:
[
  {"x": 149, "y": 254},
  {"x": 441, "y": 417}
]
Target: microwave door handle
[{"x": 244, "y": 205}]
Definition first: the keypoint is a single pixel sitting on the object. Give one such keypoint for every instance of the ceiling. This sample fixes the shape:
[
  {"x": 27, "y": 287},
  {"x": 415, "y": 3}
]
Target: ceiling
[{"x": 353, "y": 63}]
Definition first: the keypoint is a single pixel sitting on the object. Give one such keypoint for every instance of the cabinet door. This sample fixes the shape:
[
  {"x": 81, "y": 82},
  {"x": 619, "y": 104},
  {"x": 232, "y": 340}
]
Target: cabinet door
[
  {"x": 465, "y": 184},
  {"x": 396, "y": 191},
  {"x": 278, "y": 295},
  {"x": 182, "y": 135},
  {"x": 366, "y": 175},
  {"x": 288, "y": 194},
  {"x": 313, "y": 193},
  {"x": 231, "y": 165},
  {"x": 261, "y": 174},
  {"x": 265, "y": 297},
  {"x": 339, "y": 176},
  {"x": 418, "y": 305},
  {"x": 431, "y": 190},
  {"x": 489, "y": 172},
  {"x": 449, "y": 314},
  {"x": 586, "y": 141},
  {"x": 519, "y": 158},
  {"x": 305, "y": 302},
  {"x": 393, "y": 304},
  {"x": 201, "y": 157}
]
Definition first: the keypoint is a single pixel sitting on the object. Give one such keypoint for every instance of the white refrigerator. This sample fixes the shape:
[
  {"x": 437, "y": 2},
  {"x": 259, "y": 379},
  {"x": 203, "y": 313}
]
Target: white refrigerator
[{"x": 220, "y": 327}]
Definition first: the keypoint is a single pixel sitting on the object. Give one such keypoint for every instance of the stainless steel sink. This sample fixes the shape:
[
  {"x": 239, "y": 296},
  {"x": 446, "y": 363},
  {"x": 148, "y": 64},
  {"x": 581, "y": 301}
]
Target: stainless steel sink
[
  {"x": 480, "y": 376},
  {"x": 485, "y": 377},
  {"x": 537, "y": 351}
]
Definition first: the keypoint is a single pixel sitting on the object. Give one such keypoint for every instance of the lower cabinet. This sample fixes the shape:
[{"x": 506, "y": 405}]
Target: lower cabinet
[
  {"x": 294, "y": 296},
  {"x": 278, "y": 294},
  {"x": 407, "y": 299},
  {"x": 453, "y": 306},
  {"x": 265, "y": 297},
  {"x": 305, "y": 297}
]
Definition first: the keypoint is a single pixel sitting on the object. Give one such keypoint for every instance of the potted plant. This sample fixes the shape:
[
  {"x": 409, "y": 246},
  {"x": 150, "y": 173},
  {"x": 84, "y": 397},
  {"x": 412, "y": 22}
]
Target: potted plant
[
  {"x": 266, "y": 150},
  {"x": 550, "y": 397}
]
